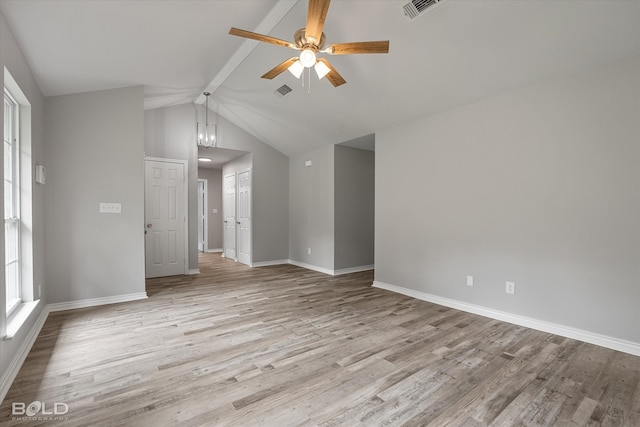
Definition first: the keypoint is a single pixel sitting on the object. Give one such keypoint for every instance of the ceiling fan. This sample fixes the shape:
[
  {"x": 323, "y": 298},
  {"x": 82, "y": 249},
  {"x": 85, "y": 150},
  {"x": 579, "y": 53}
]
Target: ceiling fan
[{"x": 310, "y": 41}]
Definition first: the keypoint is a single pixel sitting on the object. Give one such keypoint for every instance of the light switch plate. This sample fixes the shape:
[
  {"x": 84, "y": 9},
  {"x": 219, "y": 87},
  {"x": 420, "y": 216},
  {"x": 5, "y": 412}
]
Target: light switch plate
[
  {"x": 110, "y": 208},
  {"x": 41, "y": 174}
]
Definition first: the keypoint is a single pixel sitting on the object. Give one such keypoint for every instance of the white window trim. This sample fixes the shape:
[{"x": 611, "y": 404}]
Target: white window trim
[
  {"x": 15, "y": 219},
  {"x": 10, "y": 323}
]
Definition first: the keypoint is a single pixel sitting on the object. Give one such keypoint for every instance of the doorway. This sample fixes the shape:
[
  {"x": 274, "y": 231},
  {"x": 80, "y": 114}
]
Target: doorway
[{"x": 237, "y": 216}]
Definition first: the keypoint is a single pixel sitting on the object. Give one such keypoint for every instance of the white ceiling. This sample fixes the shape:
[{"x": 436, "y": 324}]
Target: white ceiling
[{"x": 458, "y": 53}]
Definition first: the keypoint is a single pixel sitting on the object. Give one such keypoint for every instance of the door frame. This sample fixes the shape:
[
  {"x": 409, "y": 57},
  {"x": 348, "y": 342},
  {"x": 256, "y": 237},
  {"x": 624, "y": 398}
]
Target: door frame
[
  {"x": 205, "y": 220},
  {"x": 185, "y": 202}
]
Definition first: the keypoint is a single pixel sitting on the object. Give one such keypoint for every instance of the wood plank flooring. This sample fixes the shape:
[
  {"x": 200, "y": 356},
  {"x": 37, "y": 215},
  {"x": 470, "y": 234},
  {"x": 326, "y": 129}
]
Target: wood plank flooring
[{"x": 284, "y": 346}]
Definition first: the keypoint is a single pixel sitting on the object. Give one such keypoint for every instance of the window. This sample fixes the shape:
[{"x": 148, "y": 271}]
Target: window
[{"x": 11, "y": 204}]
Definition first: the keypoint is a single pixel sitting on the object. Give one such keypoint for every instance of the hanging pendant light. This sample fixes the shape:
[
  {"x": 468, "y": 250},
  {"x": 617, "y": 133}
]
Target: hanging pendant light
[{"x": 206, "y": 132}]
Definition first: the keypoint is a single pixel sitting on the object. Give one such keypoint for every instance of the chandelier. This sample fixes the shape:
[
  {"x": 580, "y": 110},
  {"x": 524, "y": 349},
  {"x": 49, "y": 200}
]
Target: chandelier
[{"x": 206, "y": 132}]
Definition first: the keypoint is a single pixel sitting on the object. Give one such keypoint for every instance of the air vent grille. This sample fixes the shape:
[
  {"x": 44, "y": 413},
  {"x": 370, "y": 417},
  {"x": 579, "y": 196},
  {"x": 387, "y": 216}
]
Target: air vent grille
[
  {"x": 283, "y": 90},
  {"x": 415, "y": 8}
]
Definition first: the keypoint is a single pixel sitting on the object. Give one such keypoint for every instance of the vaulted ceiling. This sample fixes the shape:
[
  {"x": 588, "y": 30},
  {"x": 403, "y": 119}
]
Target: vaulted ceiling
[{"x": 454, "y": 54}]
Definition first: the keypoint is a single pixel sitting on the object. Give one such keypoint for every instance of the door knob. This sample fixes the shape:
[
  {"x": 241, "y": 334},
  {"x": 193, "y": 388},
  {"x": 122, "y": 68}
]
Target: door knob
[{"x": 149, "y": 225}]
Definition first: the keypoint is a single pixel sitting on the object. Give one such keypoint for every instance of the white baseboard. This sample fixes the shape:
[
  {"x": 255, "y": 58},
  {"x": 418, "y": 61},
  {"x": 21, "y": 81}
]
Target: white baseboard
[
  {"x": 14, "y": 367},
  {"x": 353, "y": 269},
  {"x": 311, "y": 267},
  {"x": 329, "y": 271},
  {"x": 69, "y": 305},
  {"x": 214, "y": 250},
  {"x": 540, "y": 325},
  {"x": 268, "y": 263},
  {"x": 193, "y": 271}
]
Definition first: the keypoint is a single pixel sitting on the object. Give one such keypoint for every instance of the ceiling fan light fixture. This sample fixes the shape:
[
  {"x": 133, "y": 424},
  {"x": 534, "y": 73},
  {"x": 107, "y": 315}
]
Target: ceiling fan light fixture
[
  {"x": 308, "y": 58},
  {"x": 296, "y": 69},
  {"x": 310, "y": 40},
  {"x": 321, "y": 69}
]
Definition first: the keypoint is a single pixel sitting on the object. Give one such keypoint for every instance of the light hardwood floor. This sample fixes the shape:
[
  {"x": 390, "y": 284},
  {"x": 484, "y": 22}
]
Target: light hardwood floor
[{"x": 284, "y": 346}]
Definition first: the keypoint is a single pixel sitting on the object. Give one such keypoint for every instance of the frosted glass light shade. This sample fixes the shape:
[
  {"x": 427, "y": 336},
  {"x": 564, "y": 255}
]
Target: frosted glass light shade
[
  {"x": 296, "y": 69},
  {"x": 308, "y": 58},
  {"x": 321, "y": 69}
]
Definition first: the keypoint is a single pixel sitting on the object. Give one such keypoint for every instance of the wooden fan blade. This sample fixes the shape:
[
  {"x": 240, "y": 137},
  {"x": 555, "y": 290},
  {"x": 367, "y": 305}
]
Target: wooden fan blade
[
  {"x": 260, "y": 37},
  {"x": 275, "y": 71},
  {"x": 316, "y": 15},
  {"x": 381, "y": 46},
  {"x": 333, "y": 76}
]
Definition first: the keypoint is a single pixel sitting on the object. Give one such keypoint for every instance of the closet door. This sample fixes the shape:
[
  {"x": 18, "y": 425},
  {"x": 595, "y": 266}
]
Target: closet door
[
  {"x": 244, "y": 217},
  {"x": 229, "y": 207}
]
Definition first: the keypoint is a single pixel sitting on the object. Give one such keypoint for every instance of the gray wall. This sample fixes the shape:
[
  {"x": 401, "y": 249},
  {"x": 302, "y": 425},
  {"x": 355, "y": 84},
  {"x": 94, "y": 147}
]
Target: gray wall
[
  {"x": 238, "y": 164},
  {"x": 311, "y": 193},
  {"x": 538, "y": 186},
  {"x": 354, "y": 207},
  {"x": 170, "y": 132},
  {"x": 269, "y": 192},
  {"x": 332, "y": 208},
  {"x": 94, "y": 154},
  {"x": 12, "y": 59},
  {"x": 214, "y": 201}
]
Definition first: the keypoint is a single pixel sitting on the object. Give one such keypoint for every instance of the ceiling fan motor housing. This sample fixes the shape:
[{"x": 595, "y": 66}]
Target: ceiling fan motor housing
[{"x": 301, "y": 41}]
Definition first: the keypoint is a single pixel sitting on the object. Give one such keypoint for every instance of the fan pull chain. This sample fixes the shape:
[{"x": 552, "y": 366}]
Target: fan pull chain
[{"x": 309, "y": 85}]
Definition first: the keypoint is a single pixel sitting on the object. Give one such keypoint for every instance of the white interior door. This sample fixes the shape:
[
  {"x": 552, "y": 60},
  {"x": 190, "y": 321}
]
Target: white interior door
[
  {"x": 229, "y": 208},
  {"x": 165, "y": 218},
  {"x": 244, "y": 217},
  {"x": 202, "y": 215}
]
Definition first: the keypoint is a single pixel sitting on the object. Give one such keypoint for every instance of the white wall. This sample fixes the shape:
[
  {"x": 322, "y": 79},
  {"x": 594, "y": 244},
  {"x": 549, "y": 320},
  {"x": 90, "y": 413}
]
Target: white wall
[
  {"x": 538, "y": 186},
  {"x": 94, "y": 154},
  {"x": 214, "y": 201},
  {"x": 12, "y": 59}
]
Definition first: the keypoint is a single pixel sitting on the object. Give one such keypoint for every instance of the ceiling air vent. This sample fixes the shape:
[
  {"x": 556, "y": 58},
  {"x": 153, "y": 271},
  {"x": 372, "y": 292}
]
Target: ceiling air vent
[
  {"x": 283, "y": 90},
  {"x": 415, "y": 8}
]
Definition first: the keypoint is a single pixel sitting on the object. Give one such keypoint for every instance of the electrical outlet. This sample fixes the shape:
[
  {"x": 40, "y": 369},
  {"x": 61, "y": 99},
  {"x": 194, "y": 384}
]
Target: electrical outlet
[
  {"x": 308, "y": 251},
  {"x": 469, "y": 280},
  {"x": 510, "y": 288}
]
